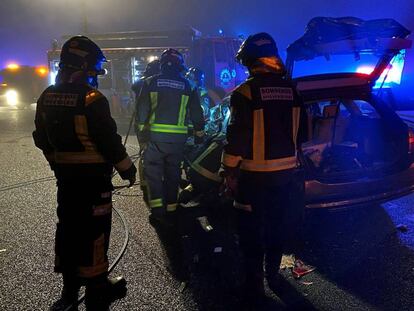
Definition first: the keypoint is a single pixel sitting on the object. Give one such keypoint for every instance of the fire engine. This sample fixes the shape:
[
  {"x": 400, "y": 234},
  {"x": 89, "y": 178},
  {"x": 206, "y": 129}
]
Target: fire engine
[
  {"x": 21, "y": 85},
  {"x": 128, "y": 53}
]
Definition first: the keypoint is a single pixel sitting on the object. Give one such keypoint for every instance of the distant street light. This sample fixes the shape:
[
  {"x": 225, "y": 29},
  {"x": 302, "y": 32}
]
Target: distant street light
[{"x": 12, "y": 66}]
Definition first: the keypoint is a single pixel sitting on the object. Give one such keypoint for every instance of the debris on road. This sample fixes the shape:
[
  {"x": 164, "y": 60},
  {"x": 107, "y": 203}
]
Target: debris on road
[
  {"x": 287, "y": 262},
  {"x": 300, "y": 269}
]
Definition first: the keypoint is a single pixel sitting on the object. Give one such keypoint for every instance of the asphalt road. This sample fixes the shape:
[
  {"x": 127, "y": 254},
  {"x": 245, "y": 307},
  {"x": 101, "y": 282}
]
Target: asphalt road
[{"x": 364, "y": 256}]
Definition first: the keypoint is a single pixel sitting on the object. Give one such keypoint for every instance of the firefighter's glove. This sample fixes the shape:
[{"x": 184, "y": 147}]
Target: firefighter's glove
[
  {"x": 198, "y": 137},
  {"x": 129, "y": 174}
]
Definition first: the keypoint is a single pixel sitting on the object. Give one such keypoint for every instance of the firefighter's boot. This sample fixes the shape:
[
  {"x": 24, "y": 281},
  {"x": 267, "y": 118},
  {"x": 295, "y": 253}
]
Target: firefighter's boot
[
  {"x": 70, "y": 291},
  {"x": 273, "y": 277},
  {"x": 69, "y": 297},
  {"x": 254, "y": 293},
  {"x": 100, "y": 293}
]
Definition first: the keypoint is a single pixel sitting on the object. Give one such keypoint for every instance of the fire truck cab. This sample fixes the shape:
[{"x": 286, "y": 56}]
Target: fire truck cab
[
  {"x": 21, "y": 85},
  {"x": 128, "y": 53}
]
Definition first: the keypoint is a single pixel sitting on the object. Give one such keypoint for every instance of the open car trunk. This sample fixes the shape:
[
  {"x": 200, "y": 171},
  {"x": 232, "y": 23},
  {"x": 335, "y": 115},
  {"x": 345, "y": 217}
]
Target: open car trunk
[
  {"x": 353, "y": 139},
  {"x": 326, "y": 36}
]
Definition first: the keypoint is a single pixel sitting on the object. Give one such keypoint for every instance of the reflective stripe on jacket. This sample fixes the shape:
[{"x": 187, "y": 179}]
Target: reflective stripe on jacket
[
  {"x": 263, "y": 132},
  {"x": 165, "y": 107},
  {"x": 76, "y": 132},
  {"x": 207, "y": 162}
]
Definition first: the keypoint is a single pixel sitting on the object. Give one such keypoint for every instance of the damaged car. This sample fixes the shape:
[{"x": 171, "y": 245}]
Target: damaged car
[{"x": 358, "y": 149}]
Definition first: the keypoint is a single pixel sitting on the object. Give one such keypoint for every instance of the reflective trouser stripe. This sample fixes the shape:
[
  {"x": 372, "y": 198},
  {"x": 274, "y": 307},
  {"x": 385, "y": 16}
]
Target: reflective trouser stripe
[
  {"x": 92, "y": 271},
  {"x": 155, "y": 203},
  {"x": 168, "y": 128},
  {"x": 171, "y": 207},
  {"x": 100, "y": 210},
  {"x": 100, "y": 264},
  {"x": 154, "y": 103},
  {"x": 245, "y": 207},
  {"x": 183, "y": 110}
]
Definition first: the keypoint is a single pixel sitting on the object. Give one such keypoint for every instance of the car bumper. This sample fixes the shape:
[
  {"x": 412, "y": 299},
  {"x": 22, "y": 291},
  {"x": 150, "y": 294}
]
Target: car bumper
[{"x": 324, "y": 195}]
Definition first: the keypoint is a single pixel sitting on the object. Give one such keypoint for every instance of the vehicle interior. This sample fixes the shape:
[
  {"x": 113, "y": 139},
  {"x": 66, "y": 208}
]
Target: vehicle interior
[{"x": 349, "y": 139}]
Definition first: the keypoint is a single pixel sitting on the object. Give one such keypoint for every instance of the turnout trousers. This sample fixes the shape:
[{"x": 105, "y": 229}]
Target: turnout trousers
[
  {"x": 162, "y": 173},
  {"x": 84, "y": 225},
  {"x": 269, "y": 219}
]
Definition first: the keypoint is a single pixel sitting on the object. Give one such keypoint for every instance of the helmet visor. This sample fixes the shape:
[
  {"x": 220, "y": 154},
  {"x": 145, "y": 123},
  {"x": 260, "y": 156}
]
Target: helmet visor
[{"x": 100, "y": 70}]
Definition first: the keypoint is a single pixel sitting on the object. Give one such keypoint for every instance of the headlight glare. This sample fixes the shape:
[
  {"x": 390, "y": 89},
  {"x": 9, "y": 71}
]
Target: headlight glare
[{"x": 12, "y": 97}]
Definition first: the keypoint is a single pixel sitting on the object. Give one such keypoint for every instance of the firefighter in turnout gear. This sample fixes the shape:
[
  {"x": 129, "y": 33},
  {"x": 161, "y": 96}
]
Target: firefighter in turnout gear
[
  {"x": 260, "y": 162},
  {"x": 151, "y": 69},
  {"x": 79, "y": 139},
  {"x": 203, "y": 166},
  {"x": 197, "y": 76},
  {"x": 166, "y": 105}
]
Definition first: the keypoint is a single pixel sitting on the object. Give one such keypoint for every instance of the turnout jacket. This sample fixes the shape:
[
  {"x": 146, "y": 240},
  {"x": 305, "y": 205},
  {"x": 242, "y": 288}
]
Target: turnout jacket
[
  {"x": 263, "y": 131},
  {"x": 165, "y": 107},
  {"x": 77, "y": 134}
]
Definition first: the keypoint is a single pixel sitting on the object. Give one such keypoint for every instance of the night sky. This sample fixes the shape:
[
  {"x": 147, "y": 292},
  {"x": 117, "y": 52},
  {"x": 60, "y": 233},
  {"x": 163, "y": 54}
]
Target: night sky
[{"x": 28, "y": 26}]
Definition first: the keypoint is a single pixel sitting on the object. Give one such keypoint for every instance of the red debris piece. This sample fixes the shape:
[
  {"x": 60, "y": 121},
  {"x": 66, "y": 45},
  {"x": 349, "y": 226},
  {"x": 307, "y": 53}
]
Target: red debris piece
[{"x": 300, "y": 269}]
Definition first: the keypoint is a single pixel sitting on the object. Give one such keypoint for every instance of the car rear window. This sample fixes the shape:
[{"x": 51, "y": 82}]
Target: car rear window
[
  {"x": 343, "y": 108},
  {"x": 366, "y": 109}
]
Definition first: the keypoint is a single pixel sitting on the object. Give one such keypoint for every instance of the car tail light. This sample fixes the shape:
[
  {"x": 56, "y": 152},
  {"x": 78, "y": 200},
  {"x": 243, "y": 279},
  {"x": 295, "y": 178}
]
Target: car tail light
[{"x": 410, "y": 141}]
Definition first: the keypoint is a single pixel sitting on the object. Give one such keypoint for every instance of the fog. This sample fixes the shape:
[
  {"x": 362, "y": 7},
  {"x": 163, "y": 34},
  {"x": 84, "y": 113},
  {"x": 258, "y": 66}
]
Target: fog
[{"x": 28, "y": 26}]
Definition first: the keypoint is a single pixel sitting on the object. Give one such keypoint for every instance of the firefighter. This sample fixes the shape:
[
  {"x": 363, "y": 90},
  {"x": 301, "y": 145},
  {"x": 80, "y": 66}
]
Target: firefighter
[
  {"x": 203, "y": 171},
  {"x": 197, "y": 76},
  {"x": 79, "y": 139},
  {"x": 151, "y": 69},
  {"x": 260, "y": 162},
  {"x": 166, "y": 105}
]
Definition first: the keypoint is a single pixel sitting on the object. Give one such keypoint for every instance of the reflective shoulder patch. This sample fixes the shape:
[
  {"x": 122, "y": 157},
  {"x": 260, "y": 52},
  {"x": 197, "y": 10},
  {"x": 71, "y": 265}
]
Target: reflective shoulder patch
[
  {"x": 93, "y": 96},
  {"x": 276, "y": 93},
  {"x": 60, "y": 99},
  {"x": 244, "y": 89},
  {"x": 173, "y": 84}
]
